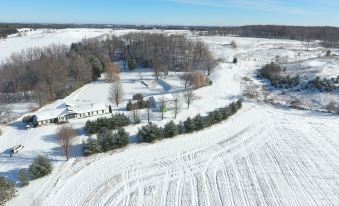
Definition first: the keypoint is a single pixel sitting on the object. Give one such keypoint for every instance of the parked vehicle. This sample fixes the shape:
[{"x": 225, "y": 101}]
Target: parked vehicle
[{"x": 16, "y": 149}]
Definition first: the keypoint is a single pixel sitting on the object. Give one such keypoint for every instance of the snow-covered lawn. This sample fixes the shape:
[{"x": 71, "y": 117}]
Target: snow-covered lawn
[{"x": 263, "y": 155}]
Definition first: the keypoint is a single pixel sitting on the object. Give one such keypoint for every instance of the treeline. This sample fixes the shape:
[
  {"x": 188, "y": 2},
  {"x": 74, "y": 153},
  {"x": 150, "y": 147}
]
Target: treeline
[
  {"x": 45, "y": 74},
  {"x": 6, "y": 30},
  {"x": 50, "y": 73},
  {"x": 329, "y": 35}
]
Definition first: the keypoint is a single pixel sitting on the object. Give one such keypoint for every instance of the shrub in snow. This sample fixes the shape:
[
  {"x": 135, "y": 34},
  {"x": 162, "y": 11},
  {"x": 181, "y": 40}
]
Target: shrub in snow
[
  {"x": 198, "y": 122},
  {"x": 40, "y": 167},
  {"x": 233, "y": 44},
  {"x": 91, "y": 147},
  {"x": 170, "y": 129},
  {"x": 140, "y": 104},
  {"x": 121, "y": 138},
  {"x": 23, "y": 177},
  {"x": 138, "y": 96},
  {"x": 150, "y": 133},
  {"x": 235, "y": 60},
  {"x": 189, "y": 125},
  {"x": 181, "y": 128},
  {"x": 7, "y": 190}
]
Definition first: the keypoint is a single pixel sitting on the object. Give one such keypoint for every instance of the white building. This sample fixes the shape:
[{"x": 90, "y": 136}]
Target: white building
[
  {"x": 157, "y": 100},
  {"x": 70, "y": 111}
]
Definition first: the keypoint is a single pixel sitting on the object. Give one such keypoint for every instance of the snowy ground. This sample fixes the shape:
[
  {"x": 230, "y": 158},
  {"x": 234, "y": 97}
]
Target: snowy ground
[{"x": 263, "y": 155}]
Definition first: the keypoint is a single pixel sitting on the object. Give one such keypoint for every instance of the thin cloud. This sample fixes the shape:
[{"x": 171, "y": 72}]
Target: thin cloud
[{"x": 263, "y": 5}]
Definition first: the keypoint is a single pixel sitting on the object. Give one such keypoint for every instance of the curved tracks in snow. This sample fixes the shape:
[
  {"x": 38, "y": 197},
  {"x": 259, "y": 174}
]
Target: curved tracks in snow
[{"x": 275, "y": 157}]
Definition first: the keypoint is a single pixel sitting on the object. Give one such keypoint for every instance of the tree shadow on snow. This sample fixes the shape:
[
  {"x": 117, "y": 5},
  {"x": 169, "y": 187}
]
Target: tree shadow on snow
[{"x": 18, "y": 125}]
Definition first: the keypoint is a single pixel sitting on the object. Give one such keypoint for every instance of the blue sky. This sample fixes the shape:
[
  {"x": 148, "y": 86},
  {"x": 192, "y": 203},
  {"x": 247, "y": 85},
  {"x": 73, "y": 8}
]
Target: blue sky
[{"x": 173, "y": 12}]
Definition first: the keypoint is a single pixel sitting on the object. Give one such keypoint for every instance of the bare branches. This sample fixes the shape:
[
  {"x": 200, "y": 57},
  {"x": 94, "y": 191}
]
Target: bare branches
[
  {"x": 189, "y": 98},
  {"x": 4, "y": 113},
  {"x": 66, "y": 135},
  {"x": 177, "y": 101},
  {"x": 116, "y": 93}
]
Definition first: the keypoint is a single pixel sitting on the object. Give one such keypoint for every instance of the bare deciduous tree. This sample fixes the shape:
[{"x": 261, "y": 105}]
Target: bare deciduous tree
[
  {"x": 116, "y": 93},
  {"x": 187, "y": 80},
  {"x": 112, "y": 72},
  {"x": 177, "y": 101},
  {"x": 66, "y": 136},
  {"x": 189, "y": 98},
  {"x": 149, "y": 108},
  {"x": 4, "y": 113},
  {"x": 135, "y": 114}
]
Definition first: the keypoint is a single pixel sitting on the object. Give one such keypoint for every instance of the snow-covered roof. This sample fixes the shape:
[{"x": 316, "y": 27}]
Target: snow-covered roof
[
  {"x": 167, "y": 97},
  {"x": 59, "y": 112},
  {"x": 51, "y": 114},
  {"x": 87, "y": 108}
]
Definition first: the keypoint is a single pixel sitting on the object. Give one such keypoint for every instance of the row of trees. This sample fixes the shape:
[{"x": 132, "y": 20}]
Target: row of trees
[
  {"x": 106, "y": 141},
  {"x": 329, "y": 35},
  {"x": 101, "y": 124},
  {"x": 152, "y": 132}
]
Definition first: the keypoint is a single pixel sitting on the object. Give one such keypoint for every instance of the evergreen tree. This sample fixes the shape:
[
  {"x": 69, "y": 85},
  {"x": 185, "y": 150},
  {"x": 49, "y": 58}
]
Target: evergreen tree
[
  {"x": 189, "y": 125},
  {"x": 23, "y": 177},
  {"x": 121, "y": 138},
  {"x": 132, "y": 64},
  {"x": 129, "y": 106},
  {"x": 96, "y": 68},
  {"x": 91, "y": 147},
  {"x": 170, "y": 129},
  {"x": 198, "y": 122},
  {"x": 7, "y": 190},
  {"x": 105, "y": 139},
  {"x": 149, "y": 133},
  {"x": 40, "y": 167}
]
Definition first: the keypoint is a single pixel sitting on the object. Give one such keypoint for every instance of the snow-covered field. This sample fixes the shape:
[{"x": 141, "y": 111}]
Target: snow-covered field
[{"x": 263, "y": 155}]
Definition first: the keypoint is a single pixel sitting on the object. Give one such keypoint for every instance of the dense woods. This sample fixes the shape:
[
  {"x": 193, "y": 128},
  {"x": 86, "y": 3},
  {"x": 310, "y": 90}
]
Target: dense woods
[
  {"x": 50, "y": 73},
  {"x": 6, "y": 30},
  {"x": 329, "y": 35}
]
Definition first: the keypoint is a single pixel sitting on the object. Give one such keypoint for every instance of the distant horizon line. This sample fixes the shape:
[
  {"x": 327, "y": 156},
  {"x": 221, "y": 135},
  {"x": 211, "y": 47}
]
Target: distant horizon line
[{"x": 164, "y": 25}]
